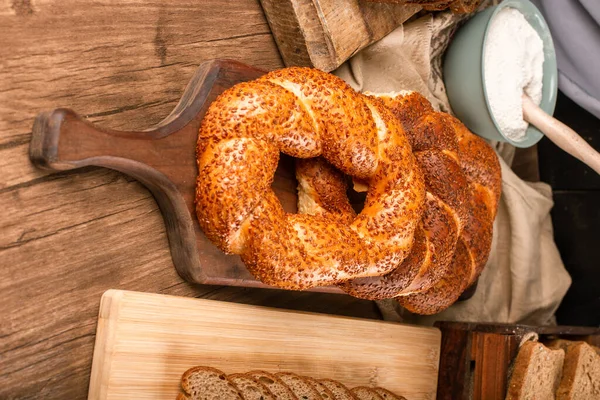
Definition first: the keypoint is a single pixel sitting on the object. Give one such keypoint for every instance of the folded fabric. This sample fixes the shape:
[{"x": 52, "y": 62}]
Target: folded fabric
[{"x": 524, "y": 280}]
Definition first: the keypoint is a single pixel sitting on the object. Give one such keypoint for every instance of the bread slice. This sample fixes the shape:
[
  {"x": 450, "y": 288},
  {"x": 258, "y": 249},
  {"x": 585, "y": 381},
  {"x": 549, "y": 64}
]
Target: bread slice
[
  {"x": 205, "y": 383},
  {"x": 387, "y": 395},
  {"x": 275, "y": 385},
  {"x": 537, "y": 372},
  {"x": 301, "y": 387},
  {"x": 339, "y": 390},
  {"x": 581, "y": 373},
  {"x": 322, "y": 389},
  {"x": 250, "y": 388},
  {"x": 365, "y": 393},
  {"x": 560, "y": 344}
]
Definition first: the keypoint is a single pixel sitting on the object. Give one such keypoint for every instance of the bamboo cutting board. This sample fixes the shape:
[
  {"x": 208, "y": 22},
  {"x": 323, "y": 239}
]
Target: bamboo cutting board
[
  {"x": 325, "y": 33},
  {"x": 144, "y": 343}
]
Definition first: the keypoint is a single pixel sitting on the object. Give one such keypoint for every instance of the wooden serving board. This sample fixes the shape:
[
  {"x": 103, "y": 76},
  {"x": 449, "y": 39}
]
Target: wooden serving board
[
  {"x": 163, "y": 159},
  {"x": 144, "y": 342},
  {"x": 325, "y": 33}
]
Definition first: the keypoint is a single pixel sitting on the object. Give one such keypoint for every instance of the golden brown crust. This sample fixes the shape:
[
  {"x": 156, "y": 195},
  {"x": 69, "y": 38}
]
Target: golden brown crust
[
  {"x": 435, "y": 145},
  {"x": 433, "y": 188},
  {"x": 344, "y": 124},
  {"x": 482, "y": 168},
  {"x": 322, "y": 190},
  {"x": 462, "y": 180},
  {"x": 221, "y": 221},
  {"x": 447, "y": 290},
  {"x": 306, "y": 113},
  {"x": 408, "y": 108}
]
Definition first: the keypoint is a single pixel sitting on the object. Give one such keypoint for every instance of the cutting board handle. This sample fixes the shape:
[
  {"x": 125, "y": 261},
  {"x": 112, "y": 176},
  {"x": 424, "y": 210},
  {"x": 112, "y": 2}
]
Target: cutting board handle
[
  {"x": 162, "y": 158},
  {"x": 62, "y": 140}
]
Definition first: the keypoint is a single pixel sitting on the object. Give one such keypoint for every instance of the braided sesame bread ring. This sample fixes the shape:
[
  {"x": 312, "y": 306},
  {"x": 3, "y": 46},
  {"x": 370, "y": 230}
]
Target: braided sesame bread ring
[
  {"x": 305, "y": 113},
  {"x": 452, "y": 243}
]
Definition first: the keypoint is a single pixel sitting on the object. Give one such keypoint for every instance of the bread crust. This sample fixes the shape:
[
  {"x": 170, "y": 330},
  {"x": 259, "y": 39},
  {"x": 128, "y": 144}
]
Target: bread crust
[
  {"x": 308, "y": 391},
  {"x": 306, "y": 113},
  {"x": 581, "y": 373},
  {"x": 387, "y": 395},
  {"x": 524, "y": 369},
  {"x": 366, "y": 393},
  {"x": 453, "y": 240},
  {"x": 425, "y": 232},
  {"x": 243, "y": 379},
  {"x": 283, "y": 392},
  {"x": 339, "y": 387},
  {"x": 186, "y": 383}
]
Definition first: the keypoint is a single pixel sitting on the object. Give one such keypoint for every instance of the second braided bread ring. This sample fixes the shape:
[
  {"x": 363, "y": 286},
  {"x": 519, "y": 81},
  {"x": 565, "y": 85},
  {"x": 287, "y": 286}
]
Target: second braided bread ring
[{"x": 453, "y": 239}]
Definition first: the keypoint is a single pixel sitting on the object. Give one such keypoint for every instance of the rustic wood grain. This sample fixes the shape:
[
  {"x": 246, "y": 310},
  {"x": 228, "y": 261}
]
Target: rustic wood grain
[
  {"x": 180, "y": 333},
  {"x": 66, "y": 238},
  {"x": 163, "y": 159},
  {"x": 325, "y": 33}
]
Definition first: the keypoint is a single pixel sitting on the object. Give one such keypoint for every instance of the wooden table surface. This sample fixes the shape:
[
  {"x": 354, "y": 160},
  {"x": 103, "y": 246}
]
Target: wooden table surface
[{"x": 66, "y": 238}]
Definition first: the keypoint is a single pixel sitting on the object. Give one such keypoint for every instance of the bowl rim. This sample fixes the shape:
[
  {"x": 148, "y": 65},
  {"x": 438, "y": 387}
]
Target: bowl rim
[{"x": 528, "y": 9}]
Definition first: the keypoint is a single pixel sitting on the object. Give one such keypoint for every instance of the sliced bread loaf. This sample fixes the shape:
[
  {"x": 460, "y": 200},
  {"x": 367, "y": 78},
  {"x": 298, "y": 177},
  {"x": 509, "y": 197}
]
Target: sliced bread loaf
[
  {"x": 205, "y": 383},
  {"x": 275, "y": 385},
  {"x": 300, "y": 386},
  {"x": 581, "y": 373},
  {"x": 250, "y": 388},
  {"x": 537, "y": 372},
  {"x": 365, "y": 393},
  {"x": 339, "y": 390},
  {"x": 325, "y": 393},
  {"x": 387, "y": 395}
]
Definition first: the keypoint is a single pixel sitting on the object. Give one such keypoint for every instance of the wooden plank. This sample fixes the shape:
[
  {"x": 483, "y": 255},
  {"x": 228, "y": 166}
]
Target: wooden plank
[
  {"x": 145, "y": 342},
  {"x": 66, "y": 238},
  {"x": 455, "y": 364},
  {"x": 125, "y": 63},
  {"x": 325, "y": 33},
  {"x": 492, "y": 357}
]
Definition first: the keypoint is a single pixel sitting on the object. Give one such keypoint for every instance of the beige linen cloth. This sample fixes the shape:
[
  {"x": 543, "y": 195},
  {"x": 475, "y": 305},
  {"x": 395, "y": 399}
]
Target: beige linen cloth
[{"x": 525, "y": 279}]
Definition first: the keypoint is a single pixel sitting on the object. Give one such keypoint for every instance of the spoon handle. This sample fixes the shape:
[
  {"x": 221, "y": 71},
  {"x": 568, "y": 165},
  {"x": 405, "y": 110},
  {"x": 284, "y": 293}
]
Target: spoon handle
[{"x": 563, "y": 136}]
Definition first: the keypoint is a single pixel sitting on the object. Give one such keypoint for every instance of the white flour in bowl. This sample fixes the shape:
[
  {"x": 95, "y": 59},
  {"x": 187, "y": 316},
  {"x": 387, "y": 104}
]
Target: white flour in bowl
[{"x": 513, "y": 64}]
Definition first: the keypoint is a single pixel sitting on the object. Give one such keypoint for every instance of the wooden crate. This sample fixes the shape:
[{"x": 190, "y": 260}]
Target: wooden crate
[
  {"x": 325, "y": 33},
  {"x": 475, "y": 358}
]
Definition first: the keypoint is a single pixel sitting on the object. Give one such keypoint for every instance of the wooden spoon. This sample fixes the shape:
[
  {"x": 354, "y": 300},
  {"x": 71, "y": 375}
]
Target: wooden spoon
[{"x": 562, "y": 136}]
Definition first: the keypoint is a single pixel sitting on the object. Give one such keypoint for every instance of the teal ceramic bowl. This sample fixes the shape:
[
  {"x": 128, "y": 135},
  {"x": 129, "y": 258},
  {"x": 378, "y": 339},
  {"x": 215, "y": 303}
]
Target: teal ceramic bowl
[{"x": 464, "y": 71}]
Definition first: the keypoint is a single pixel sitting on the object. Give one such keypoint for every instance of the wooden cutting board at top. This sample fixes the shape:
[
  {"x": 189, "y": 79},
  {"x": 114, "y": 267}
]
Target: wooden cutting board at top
[
  {"x": 325, "y": 33},
  {"x": 144, "y": 343}
]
